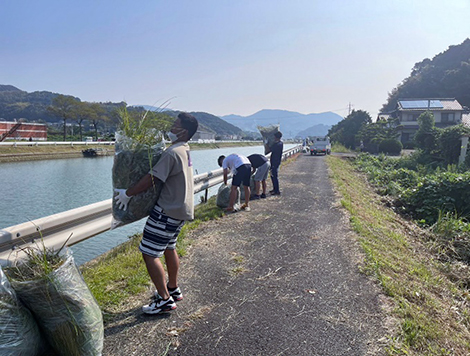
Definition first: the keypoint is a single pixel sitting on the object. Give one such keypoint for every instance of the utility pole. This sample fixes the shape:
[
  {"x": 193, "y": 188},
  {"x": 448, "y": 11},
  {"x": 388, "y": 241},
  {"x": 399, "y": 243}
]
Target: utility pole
[{"x": 349, "y": 108}]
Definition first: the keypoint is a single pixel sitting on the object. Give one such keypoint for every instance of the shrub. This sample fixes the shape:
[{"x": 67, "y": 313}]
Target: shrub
[
  {"x": 390, "y": 146},
  {"x": 450, "y": 142},
  {"x": 449, "y": 192}
]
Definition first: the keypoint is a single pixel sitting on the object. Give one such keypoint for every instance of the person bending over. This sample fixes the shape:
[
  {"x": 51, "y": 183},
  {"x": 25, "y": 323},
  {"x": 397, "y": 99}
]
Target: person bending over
[{"x": 241, "y": 169}]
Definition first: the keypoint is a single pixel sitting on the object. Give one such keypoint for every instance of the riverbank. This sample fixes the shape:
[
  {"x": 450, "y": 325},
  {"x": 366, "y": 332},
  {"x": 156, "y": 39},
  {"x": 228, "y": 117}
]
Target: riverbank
[
  {"x": 33, "y": 153},
  {"x": 424, "y": 303}
]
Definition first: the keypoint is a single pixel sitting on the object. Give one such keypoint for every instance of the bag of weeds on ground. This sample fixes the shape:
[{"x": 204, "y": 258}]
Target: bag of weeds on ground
[
  {"x": 268, "y": 134},
  {"x": 52, "y": 287},
  {"x": 223, "y": 196},
  {"x": 19, "y": 332},
  {"x": 252, "y": 188}
]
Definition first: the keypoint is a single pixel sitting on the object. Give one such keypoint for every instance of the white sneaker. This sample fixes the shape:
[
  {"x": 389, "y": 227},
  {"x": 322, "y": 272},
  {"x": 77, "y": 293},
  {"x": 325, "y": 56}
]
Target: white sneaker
[
  {"x": 174, "y": 293},
  {"x": 159, "y": 306}
]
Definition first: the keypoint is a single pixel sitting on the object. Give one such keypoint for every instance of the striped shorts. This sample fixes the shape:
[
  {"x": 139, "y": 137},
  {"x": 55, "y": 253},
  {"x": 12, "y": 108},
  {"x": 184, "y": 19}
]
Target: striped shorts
[{"x": 160, "y": 233}]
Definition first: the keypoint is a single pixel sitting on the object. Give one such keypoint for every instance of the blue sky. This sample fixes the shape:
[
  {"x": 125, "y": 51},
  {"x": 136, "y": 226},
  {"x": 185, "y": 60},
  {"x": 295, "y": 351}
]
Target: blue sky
[{"x": 225, "y": 57}]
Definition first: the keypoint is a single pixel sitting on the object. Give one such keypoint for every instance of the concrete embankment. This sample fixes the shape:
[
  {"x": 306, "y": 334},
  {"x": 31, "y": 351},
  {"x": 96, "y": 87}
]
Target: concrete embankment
[
  {"x": 34, "y": 153},
  {"x": 281, "y": 279}
]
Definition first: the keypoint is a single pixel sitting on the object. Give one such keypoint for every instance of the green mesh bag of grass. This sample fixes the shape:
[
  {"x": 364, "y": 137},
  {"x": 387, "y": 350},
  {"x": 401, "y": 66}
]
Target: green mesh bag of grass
[
  {"x": 268, "y": 134},
  {"x": 139, "y": 146},
  {"x": 132, "y": 161},
  {"x": 19, "y": 332},
  {"x": 52, "y": 287}
]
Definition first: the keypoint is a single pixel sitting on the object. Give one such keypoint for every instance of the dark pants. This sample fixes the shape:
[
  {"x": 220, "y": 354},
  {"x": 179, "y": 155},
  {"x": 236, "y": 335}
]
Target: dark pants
[{"x": 274, "y": 178}]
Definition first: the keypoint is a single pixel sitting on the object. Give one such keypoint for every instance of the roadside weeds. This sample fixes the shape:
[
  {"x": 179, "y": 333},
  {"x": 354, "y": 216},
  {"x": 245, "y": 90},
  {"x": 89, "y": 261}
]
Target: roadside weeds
[{"x": 431, "y": 310}]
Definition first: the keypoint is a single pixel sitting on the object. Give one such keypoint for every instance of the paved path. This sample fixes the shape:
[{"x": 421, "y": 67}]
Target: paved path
[{"x": 282, "y": 279}]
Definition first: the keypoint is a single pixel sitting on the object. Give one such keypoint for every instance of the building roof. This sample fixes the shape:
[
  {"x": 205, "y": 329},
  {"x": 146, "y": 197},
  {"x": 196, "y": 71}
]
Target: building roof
[{"x": 440, "y": 104}]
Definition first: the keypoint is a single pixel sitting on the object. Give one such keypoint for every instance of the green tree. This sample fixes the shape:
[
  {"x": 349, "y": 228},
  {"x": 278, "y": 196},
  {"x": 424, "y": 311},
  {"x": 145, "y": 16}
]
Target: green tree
[
  {"x": 63, "y": 107},
  {"x": 346, "y": 130},
  {"x": 450, "y": 143},
  {"x": 97, "y": 116},
  {"x": 427, "y": 136},
  {"x": 374, "y": 133},
  {"x": 447, "y": 75},
  {"x": 83, "y": 111}
]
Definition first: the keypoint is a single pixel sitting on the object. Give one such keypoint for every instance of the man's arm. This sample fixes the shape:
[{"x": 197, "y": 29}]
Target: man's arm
[
  {"x": 225, "y": 176},
  {"x": 142, "y": 185}
]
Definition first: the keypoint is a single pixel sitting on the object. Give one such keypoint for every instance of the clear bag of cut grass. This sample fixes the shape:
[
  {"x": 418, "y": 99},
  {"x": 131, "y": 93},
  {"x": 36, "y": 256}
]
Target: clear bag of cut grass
[
  {"x": 223, "y": 196},
  {"x": 268, "y": 134},
  {"x": 19, "y": 332},
  {"x": 52, "y": 287},
  {"x": 252, "y": 188},
  {"x": 138, "y": 148}
]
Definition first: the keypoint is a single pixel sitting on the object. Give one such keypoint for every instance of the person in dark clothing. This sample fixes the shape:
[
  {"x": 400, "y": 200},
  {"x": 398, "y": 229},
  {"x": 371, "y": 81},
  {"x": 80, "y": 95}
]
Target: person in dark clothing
[
  {"x": 276, "y": 157},
  {"x": 260, "y": 165}
]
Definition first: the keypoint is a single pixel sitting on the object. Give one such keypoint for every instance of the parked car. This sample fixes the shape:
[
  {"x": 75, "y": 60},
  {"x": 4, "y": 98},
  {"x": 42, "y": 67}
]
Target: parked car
[{"x": 320, "y": 145}]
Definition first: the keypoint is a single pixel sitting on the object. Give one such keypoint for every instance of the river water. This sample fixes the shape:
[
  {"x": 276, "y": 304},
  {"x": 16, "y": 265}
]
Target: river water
[{"x": 35, "y": 189}]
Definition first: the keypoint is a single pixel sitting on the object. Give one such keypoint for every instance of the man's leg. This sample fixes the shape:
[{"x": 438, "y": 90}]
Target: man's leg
[
  {"x": 265, "y": 186},
  {"x": 157, "y": 274},
  {"x": 247, "y": 194},
  {"x": 257, "y": 187},
  {"x": 274, "y": 178},
  {"x": 233, "y": 196},
  {"x": 172, "y": 264}
]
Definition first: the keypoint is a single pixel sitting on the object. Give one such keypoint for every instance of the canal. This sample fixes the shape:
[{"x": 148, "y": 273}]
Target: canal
[{"x": 35, "y": 189}]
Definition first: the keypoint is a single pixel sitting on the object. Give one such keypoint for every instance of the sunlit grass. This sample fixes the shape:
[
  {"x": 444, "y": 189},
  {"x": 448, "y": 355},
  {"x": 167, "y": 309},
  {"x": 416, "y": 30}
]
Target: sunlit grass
[{"x": 338, "y": 147}]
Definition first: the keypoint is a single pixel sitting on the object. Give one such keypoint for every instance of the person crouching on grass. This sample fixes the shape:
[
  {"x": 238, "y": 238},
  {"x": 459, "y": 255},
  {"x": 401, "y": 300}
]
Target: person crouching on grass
[
  {"x": 174, "y": 206},
  {"x": 241, "y": 169}
]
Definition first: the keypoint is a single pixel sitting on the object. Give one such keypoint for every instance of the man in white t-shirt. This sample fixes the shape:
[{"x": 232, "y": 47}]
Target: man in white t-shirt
[
  {"x": 241, "y": 170},
  {"x": 174, "y": 206}
]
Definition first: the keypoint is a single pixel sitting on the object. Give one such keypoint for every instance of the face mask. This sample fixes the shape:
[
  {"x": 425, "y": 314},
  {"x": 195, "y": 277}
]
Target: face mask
[{"x": 173, "y": 137}]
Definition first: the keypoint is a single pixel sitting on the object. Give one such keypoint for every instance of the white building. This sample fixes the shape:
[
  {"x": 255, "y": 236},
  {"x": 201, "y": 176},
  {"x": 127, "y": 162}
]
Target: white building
[{"x": 447, "y": 112}]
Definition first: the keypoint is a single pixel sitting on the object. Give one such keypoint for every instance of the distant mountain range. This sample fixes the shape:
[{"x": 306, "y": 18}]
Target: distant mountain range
[
  {"x": 291, "y": 123},
  {"x": 18, "y": 104}
]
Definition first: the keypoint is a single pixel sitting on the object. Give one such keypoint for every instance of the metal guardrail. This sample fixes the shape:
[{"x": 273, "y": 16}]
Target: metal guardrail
[{"x": 73, "y": 226}]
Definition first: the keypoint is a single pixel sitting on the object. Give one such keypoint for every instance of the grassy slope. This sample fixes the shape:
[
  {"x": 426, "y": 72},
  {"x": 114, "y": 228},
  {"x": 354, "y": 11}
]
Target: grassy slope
[{"x": 430, "y": 303}]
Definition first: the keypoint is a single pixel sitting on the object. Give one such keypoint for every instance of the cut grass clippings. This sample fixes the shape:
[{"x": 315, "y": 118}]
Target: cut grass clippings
[
  {"x": 432, "y": 311},
  {"x": 120, "y": 274}
]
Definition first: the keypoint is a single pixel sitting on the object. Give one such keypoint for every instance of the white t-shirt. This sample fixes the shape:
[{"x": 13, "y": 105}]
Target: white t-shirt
[
  {"x": 234, "y": 161},
  {"x": 175, "y": 170}
]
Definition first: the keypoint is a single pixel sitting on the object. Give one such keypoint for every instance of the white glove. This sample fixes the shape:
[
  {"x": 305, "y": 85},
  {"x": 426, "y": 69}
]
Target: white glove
[{"x": 122, "y": 199}]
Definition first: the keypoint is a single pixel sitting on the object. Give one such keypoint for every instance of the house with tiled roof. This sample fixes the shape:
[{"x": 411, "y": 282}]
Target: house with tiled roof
[{"x": 447, "y": 112}]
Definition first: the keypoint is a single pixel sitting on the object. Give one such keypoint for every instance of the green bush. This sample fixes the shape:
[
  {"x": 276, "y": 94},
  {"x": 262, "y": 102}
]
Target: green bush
[
  {"x": 390, "y": 146},
  {"x": 446, "y": 192},
  {"x": 450, "y": 142}
]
